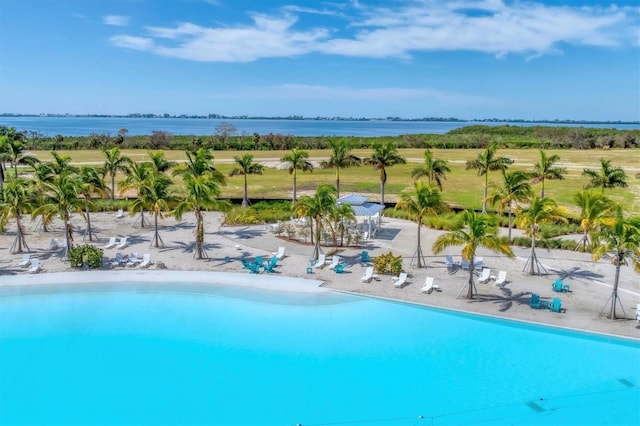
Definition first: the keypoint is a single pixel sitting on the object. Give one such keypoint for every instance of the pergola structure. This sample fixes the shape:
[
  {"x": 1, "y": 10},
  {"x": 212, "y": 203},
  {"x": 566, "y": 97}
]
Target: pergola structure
[{"x": 362, "y": 207}]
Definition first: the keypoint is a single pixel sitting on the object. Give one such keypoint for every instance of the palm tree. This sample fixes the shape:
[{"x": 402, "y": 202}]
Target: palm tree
[
  {"x": 473, "y": 231},
  {"x": 159, "y": 162},
  {"x": 515, "y": 189},
  {"x": 92, "y": 184},
  {"x": 424, "y": 201},
  {"x": 530, "y": 218},
  {"x": 341, "y": 216},
  {"x": 544, "y": 170},
  {"x": 317, "y": 207},
  {"x": 622, "y": 237},
  {"x": 606, "y": 177},
  {"x": 595, "y": 211},
  {"x": 136, "y": 179},
  {"x": 17, "y": 199},
  {"x": 384, "y": 155},
  {"x": 297, "y": 160},
  {"x": 62, "y": 196},
  {"x": 114, "y": 163},
  {"x": 246, "y": 166},
  {"x": 14, "y": 150},
  {"x": 435, "y": 170},
  {"x": 485, "y": 162},
  {"x": 156, "y": 197},
  {"x": 341, "y": 158},
  {"x": 202, "y": 183}
]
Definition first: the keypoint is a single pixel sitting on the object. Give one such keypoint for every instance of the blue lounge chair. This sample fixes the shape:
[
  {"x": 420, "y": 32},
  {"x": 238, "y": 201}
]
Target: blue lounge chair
[
  {"x": 259, "y": 260},
  {"x": 556, "y": 305},
  {"x": 254, "y": 268},
  {"x": 536, "y": 303},
  {"x": 364, "y": 256},
  {"x": 269, "y": 267},
  {"x": 559, "y": 286},
  {"x": 339, "y": 268},
  {"x": 246, "y": 264}
]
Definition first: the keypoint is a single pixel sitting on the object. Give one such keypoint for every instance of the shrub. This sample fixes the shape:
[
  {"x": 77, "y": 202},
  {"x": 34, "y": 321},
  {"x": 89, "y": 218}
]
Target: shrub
[
  {"x": 86, "y": 256},
  {"x": 388, "y": 263}
]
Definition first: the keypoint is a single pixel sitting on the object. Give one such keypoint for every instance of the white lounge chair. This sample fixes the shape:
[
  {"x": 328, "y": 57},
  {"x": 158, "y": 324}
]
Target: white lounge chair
[
  {"x": 502, "y": 278},
  {"x": 478, "y": 263},
  {"x": 448, "y": 261},
  {"x": 120, "y": 214},
  {"x": 280, "y": 253},
  {"x": 402, "y": 279},
  {"x": 53, "y": 245},
  {"x": 428, "y": 285},
  {"x": 638, "y": 312},
  {"x": 26, "y": 260},
  {"x": 322, "y": 259},
  {"x": 335, "y": 261},
  {"x": 485, "y": 276},
  {"x": 111, "y": 243},
  {"x": 146, "y": 261},
  {"x": 368, "y": 275},
  {"x": 35, "y": 266},
  {"x": 122, "y": 244},
  {"x": 133, "y": 260},
  {"x": 119, "y": 260},
  {"x": 465, "y": 264}
]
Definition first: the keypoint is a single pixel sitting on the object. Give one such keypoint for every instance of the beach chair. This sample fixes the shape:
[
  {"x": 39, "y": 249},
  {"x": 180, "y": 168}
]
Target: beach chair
[
  {"x": 122, "y": 244},
  {"x": 246, "y": 264},
  {"x": 402, "y": 279},
  {"x": 339, "y": 268},
  {"x": 502, "y": 278},
  {"x": 269, "y": 267},
  {"x": 428, "y": 286},
  {"x": 119, "y": 260},
  {"x": 559, "y": 286},
  {"x": 478, "y": 263},
  {"x": 120, "y": 214},
  {"x": 465, "y": 265},
  {"x": 146, "y": 261},
  {"x": 133, "y": 260},
  {"x": 368, "y": 275},
  {"x": 254, "y": 268},
  {"x": 322, "y": 260},
  {"x": 335, "y": 261},
  {"x": 537, "y": 303},
  {"x": 26, "y": 260},
  {"x": 259, "y": 261},
  {"x": 638, "y": 312},
  {"x": 35, "y": 266},
  {"x": 111, "y": 244},
  {"x": 448, "y": 261},
  {"x": 364, "y": 257},
  {"x": 485, "y": 276},
  {"x": 280, "y": 253},
  {"x": 556, "y": 305},
  {"x": 53, "y": 244}
]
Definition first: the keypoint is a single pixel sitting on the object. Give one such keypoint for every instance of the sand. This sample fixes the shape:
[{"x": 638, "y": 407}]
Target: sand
[{"x": 586, "y": 305}]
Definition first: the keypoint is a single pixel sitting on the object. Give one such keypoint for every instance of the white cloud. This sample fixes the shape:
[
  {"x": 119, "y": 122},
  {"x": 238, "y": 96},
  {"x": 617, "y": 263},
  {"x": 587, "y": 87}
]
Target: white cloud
[
  {"x": 116, "y": 20},
  {"x": 488, "y": 26}
]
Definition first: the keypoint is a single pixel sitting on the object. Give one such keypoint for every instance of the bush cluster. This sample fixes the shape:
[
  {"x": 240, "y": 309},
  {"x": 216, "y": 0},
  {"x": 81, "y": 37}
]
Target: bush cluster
[{"x": 86, "y": 256}]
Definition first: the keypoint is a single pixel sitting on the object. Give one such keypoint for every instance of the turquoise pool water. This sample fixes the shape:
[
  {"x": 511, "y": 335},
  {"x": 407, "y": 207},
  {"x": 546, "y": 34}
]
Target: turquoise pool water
[{"x": 250, "y": 357}]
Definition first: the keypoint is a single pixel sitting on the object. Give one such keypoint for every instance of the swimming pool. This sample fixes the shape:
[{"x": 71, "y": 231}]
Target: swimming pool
[{"x": 246, "y": 356}]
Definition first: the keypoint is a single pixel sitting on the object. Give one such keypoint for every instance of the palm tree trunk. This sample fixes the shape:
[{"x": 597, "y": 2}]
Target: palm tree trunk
[
  {"x": 68, "y": 235},
  {"x": 532, "y": 257},
  {"x": 20, "y": 241},
  {"x": 141, "y": 218},
  {"x": 614, "y": 293},
  {"x": 419, "y": 249},
  {"x": 542, "y": 190},
  {"x": 245, "y": 200},
  {"x": 113, "y": 186},
  {"x": 156, "y": 235},
  {"x": 471, "y": 283},
  {"x": 199, "y": 235},
  {"x": 316, "y": 247},
  {"x": 337, "y": 182},
  {"x": 509, "y": 216},
  {"x": 484, "y": 199},
  {"x": 86, "y": 209},
  {"x": 294, "y": 185}
]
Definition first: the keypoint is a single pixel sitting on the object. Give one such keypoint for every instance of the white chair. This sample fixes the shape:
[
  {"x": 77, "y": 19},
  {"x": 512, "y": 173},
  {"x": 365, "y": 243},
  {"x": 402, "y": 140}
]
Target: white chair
[
  {"x": 448, "y": 261},
  {"x": 368, "y": 275},
  {"x": 478, "y": 263},
  {"x": 335, "y": 261},
  {"x": 502, "y": 278},
  {"x": 146, "y": 261},
  {"x": 428, "y": 285},
  {"x": 122, "y": 244},
  {"x": 484, "y": 277},
  {"x": 119, "y": 260},
  {"x": 322, "y": 259},
  {"x": 638, "y": 312},
  {"x": 133, "y": 260},
  {"x": 35, "y": 266},
  {"x": 111, "y": 243},
  {"x": 402, "y": 279},
  {"x": 53, "y": 245},
  {"x": 120, "y": 214},
  {"x": 26, "y": 260},
  {"x": 280, "y": 253},
  {"x": 465, "y": 264}
]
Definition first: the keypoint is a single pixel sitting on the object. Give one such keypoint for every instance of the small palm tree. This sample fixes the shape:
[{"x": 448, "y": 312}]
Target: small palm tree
[
  {"x": 435, "y": 170},
  {"x": 595, "y": 210},
  {"x": 17, "y": 199},
  {"x": 297, "y": 160},
  {"x": 341, "y": 158},
  {"x": 606, "y": 177},
  {"x": 514, "y": 189},
  {"x": 473, "y": 231},
  {"x": 317, "y": 207},
  {"x": 485, "y": 162},
  {"x": 530, "y": 218},
  {"x": 545, "y": 170},
  {"x": 384, "y": 155},
  {"x": 92, "y": 184},
  {"x": 159, "y": 161},
  {"x": 202, "y": 183},
  {"x": 156, "y": 197},
  {"x": 115, "y": 162},
  {"x": 15, "y": 152},
  {"x": 136, "y": 179},
  {"x": 622, "y": 237},
  {"x": 246, "y": 166},
  {"x": 424, "y": 201}
]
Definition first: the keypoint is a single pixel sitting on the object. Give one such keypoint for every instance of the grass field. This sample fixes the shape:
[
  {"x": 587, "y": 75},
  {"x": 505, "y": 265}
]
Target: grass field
[{"x": 462, "y": 187}]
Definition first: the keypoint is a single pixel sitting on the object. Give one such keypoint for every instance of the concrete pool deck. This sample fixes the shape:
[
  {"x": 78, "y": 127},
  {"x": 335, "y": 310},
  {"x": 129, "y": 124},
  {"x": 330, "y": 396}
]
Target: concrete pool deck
[{"x": 590, "y": 282}]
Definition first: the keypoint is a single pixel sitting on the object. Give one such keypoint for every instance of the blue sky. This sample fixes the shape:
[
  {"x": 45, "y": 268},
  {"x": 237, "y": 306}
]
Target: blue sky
[{"x": 575, "y": 60}]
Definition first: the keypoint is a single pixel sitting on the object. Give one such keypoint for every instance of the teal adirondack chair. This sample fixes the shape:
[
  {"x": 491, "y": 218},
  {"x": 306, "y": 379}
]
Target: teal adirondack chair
[
  {"x": 560, "y": 286},
  {"x": 536, "y": 303},
  {"x": 364, "y": 256},
  {"x": 556, "y": 305},
  {"x": 339, "y": 269}
]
